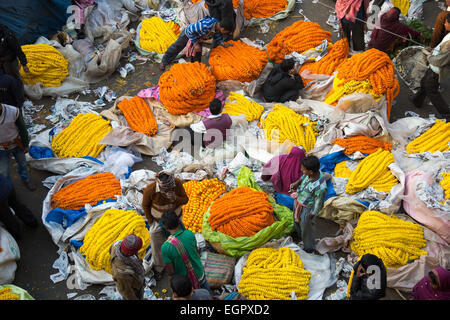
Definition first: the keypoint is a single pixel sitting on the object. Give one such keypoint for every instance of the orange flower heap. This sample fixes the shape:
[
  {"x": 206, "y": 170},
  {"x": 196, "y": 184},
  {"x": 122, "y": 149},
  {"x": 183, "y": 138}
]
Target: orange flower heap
[
  {"x": 240, "y": 62},
  {"x": 201, "y": 194},
  {"x": 363, "y": 144},
  {"x": 139, "y": 115},
  {"x": 263, "y": 8},
  {"x": 299, "y": 37},
  {"x": 243, "y": 212},
  {"x": 187, "y": 87},
  {"x": 88, "y": 190}
]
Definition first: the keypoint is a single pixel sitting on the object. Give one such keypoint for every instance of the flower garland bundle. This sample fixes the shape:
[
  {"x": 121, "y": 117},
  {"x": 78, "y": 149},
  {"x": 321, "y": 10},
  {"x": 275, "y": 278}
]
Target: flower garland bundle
[
  {"x": 158, "y": 35},
  {"x": 272, "y": 274},
  {"x": 81, "y": 138},
  {"x": 434, "y": 139},
  {"x": 240, "y": 62},
  {"x": 342, "y": 171},
  {"x": 445, "y": 184},
  {"x": 373, "y": 171},
  {"x": 337, "y": 54},
  {"x": 187, "y": 87},
  {"x": 242, "y": 212},
  {"x": 363, "y": 144},
  {"x": 112, "y": 226},
  {"x": 403, "y": 5},
  {"x": 6, "y": 294},
  {"x": 47, "y": 65},
  {"x": 283, "y": 124},
  {"x": 391, "y": 239},
  {"x": 263, "y": 8},
  {"x": 201, "y": 194},
  {"x": 299, "y": 37},
  {"x": 338, "y": 91},
  {"x": 139, "y": 115},
  {"x": 90, "y": 190},
  {"x": 373, "y": 66},
  {"x": 242, "y": 105}
]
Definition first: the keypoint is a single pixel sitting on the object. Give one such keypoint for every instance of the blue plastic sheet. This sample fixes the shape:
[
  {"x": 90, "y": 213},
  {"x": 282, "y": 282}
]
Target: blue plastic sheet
[
  {"x": 41, "y": 152},
  {"x": 328, "y": 162}
]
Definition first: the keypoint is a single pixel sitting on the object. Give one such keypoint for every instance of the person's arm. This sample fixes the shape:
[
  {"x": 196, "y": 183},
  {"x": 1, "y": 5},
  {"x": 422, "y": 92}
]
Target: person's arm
[
  {"x": 442, "y": 59},
  {"x": 318, "y": 202},
  {"x": 181, "y": 197},
  {"x": 165, "y": 252},
  {"x": 147, "y": 202},
  {"x": 439, "y": 30},
  {"x": 16, "y": 89},
  {"x": 15, "y": 47},
  {"x": 23, "y": 132}
]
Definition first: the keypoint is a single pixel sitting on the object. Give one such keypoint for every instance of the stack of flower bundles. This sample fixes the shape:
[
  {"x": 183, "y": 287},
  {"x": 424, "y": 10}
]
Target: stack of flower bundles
[
  {"x": 299, "y": 37},
  {"x": 158, "y": 35},
  {"x": 370, "y": 72},
  {"x": 237, "y": 104},
  {"x": 241, "y": 62},
  {"x": 47, "y": 65},
  {"x": 81, "y": 138},
  {"x": 272, "y": 274},
  {"x": 434, "y": 139},
  {"x": 112, "y": 226},
  {"x": 187, "y": 87},
  {"x": 263, "y": 8},
  {"x": 139, "y": 116}
]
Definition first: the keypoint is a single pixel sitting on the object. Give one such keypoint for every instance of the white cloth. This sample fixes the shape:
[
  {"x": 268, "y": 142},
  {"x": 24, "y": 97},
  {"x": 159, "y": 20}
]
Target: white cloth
[
  {"x": 8, "y": 128},
  {"x": 437, "y": 50}
]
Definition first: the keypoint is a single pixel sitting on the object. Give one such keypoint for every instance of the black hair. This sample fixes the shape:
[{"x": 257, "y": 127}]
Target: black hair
[
  {"x": 170, "y": 220},
  {"x": 287, "y": 64},
  {"x": 181, "y": 285},
  {"x": 311, "y": 163},
  {"x": 215, "y": 106},
  {"x": 433, "y": 278},
  {"x": 163, "y": 176}
]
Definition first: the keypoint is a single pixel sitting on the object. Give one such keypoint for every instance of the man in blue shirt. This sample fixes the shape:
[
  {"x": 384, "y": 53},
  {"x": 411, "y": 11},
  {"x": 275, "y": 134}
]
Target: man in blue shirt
[{"x": 204, "y": 29}]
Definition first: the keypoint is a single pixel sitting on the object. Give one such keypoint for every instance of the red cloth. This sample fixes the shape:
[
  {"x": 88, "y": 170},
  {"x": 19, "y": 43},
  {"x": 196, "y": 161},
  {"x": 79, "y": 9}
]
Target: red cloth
[
  {"x": 424, "y": 291},
  {"x": 131, "y": 244},
  {"x": 347, "y": 9}
]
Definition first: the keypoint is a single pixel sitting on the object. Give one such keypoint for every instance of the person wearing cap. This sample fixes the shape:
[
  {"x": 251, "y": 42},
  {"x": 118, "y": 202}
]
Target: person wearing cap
[
  {"x": 126, "y": 267},
  {"x": 166, "y": 193}
]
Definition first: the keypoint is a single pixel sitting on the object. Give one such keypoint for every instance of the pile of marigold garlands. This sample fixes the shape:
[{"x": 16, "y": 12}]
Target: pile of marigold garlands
[
  {"x": 158, "y": 35},
  {"x": 187, "y": 87},
  {"x": 299, "y": 37},
  {"x": 139, "y": 116},
  {"x": 445, "y": 184},
  {"x": 237, "y": 104},
  {"x": 47, "y": 65},
  {"x": 362, "y": 144},
  {"x": 393, "y": 240},
  {"x": 112, "y": 226},
  {"x": 242, "y": 212},
  {"x": 201, "y": 194},
  {"x": 283, "y": 124},
  {"x": 88, "y": 190},
  {"x": 263, "y": 8},
  {"x": 240, "y": 62},
  {"x": 81, "y": 138},
  {"x": 272, "y": 274},
  {"x": 434, "y": 139}
]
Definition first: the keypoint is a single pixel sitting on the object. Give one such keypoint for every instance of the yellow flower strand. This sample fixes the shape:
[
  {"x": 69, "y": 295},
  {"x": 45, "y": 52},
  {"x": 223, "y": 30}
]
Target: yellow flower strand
[
  {"x": 6, "y": 294},
  {"x": 434, "y": 139},
  {"x": 350, "y": 87},
  {"x": 445, "y": 184},
  {"x": 157, "y": 35},
  {"x": 242, "y": 105},
  {"x": 342, "y": 171}
]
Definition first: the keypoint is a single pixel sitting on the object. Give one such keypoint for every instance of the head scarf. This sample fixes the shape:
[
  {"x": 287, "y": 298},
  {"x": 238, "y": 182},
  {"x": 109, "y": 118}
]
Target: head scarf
[
  {"x": 133, "y": 261},
  {"x": 424, "y": 291},
  {"x": 168, "y": 184},
  {"x": 347, "y": 9}
]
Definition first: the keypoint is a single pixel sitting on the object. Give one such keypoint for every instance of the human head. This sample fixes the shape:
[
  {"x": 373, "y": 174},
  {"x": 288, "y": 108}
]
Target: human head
[
  {"x": 447, "y": 22},
  {"x": 170, "y": 220},
  {"x": 310, "y": 165},
  {"x": 130, "y": 245},
  {"x": 392, "y": 15},
  {"x": 287, "y": 64},
  {"x": 215, "y": 106},
  {"x": 368, "y": 260},
  {"x": 181, "y": 286},
  {"x": 165, "y": 181}
]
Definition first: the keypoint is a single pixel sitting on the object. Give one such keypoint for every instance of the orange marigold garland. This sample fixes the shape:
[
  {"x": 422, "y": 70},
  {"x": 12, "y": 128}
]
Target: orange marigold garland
[
  {"x": 90, "y": 190},
  {"x": 201, "y": 194},
  {"x": 139, "y": 115},
  {"x": 299, "y": 37},
  {"x": 242, "y": 212},
  {"x": 240, "y": 62},
  {"x": 187, "y": 87},
  {"x": 263, "y": 8},
  {"x": 363, "y": 144}
]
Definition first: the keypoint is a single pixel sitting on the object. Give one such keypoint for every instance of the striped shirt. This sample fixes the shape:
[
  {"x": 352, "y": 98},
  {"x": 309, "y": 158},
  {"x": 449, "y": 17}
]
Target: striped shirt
[{"x": 202, "y": 29}]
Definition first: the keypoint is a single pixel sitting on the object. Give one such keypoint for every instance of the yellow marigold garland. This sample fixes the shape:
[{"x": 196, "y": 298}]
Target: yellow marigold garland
[
  {"x": 47, "y": 65},
  {"x": 300, "y": 36},
  {"x": 158, "y": 35},
  {"x": 112, "y": 226},
  {"x": 403, "y": 5},
  {"x": 201, "y": 194},
  {"x": 272, "y": 274},
  {"x": 391, "y": 239},
  {"x": 240, "y": 62},
  {"x": 187, "y": 87},
  {"x": 342, "y": 171},
  {"x": 82, "y": 136},
  {"x": 434, "y": 139},
  {"x": 283, "y": 124},
  {"x": 139, "y": 115},
  {"x": 445, "y": 184},
  {"x": 6, "y": 294},
  {"x": 263, "y": 8},
  {"x": 242, "y": 105}
]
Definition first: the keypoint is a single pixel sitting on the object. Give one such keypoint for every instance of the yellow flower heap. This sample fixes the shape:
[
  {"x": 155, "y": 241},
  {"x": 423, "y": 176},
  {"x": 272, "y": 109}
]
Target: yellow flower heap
[
  {"x": 391, "y": 239},
  {"x": 342, "y": 171},
  {"x": 47, "y": 65},
  {"x": 238, "y": 104},
  {"x": 272, "y": 274},
  {"x": 445, "y": 184},
  {"x": 283, "y": 124},
  {"x": 403, "y": 5},
  {"x": 157, "y": 35},
  {"x": 373, "y": 171},
  {"x": 112, "y": 226},
  {"x": 434, "y": 139},
  {"x": 81, "y": 138},
  {"x": 6, "y": 294}
]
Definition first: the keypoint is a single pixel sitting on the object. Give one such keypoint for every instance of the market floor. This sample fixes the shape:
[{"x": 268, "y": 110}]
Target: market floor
[{"x": 37, "y": 250}]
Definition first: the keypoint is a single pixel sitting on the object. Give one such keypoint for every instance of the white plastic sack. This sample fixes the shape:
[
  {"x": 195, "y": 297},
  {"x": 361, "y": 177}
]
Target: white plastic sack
[
  {"x": 9, "y": 255},
  {"x": 119, "y": 160}
]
